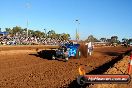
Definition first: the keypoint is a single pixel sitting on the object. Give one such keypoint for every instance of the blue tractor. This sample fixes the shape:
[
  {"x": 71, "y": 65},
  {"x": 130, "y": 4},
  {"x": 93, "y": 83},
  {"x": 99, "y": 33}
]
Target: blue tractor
[{"x": 67, "y": 50}]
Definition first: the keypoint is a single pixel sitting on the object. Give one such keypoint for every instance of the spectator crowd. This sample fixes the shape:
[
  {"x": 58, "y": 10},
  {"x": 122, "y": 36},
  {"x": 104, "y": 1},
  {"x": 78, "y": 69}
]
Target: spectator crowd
[
  {"x": 21, "y": 40},
  {"x": 20, "y": 36}
]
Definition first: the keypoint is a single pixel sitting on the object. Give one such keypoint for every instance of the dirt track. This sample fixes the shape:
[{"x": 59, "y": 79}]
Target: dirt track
[
  {"x": 119, "y": 68},
  {"x": 22, "y": 68}
]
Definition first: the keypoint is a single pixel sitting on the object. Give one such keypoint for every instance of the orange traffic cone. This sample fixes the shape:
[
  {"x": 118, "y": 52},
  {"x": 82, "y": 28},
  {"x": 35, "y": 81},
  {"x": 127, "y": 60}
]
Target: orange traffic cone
[{"x": 129, "y": 65}]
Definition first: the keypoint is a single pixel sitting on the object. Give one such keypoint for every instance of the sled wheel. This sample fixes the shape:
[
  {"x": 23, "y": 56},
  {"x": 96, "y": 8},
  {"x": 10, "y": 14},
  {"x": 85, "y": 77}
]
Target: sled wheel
[
  {"x": 53, "y": 57},
  {"x": 78, "y": 54},
  {"x": 66, "y": 59}
]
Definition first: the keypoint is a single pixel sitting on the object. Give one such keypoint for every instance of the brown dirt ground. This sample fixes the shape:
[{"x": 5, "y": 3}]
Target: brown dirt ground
[
  {"x": 119, "y": 68},
  {"x": 20, "y": 68}
]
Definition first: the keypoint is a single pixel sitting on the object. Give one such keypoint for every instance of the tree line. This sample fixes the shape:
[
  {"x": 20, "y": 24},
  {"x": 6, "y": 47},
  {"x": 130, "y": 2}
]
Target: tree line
[
  {"x": 113, "y": 39},
  {"x": 63, "y": 36},
  {"x": 31, "y": 33}
]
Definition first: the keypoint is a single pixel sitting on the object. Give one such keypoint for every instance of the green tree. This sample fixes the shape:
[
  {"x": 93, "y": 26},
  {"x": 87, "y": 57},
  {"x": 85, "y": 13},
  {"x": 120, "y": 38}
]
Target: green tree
[
  {"x": 65, "y": 36},
  {"x": 51, "y": 34},
  {"x": 130, "y": 41},
  {"x": 91, "y": 38},
  {"x": 114, "y": 39},
  {"x": 103, "y": 39},
  {"x": 58, "y": 36},
  {"x": 8, "y": 30},
  {"x": 38, "y": 33},
  {"x": 124, "y": 40},
  {"x": 16, "y": 29},
  {"x": 108, "y": 40}
]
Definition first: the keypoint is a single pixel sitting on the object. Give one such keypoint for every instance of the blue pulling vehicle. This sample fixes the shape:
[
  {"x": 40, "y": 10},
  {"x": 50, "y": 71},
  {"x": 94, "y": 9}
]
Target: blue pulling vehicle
[{"x": 68, "y": 50}]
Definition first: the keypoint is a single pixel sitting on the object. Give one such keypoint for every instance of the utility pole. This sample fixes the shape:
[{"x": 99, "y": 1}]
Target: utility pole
[
  {"x": 27, "y": 28},
  {"x": 77, "y": 30},
  {"x": 45, "y": 33}
]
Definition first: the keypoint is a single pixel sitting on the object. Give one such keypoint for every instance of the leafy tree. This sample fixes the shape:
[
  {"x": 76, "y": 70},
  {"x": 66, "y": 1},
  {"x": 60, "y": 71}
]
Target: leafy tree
[
  {"x": 65, "y": 36},
  {"x": 51, "y": 33},
  {"x": 114, "y": 39},
  {"x": 16, "y": 29},
  {"x": 129, "y": 41},
  {"x": 8, "y": 30},
  {"x": 124, "y": 40},
  {"x": 108, "y": 40},
  {"x": 103, "y": 39},
  {"x": 91, "y": 38},
  {"x": 25, "y": 29},
  {"x": 38, "y": 33},
  {"x": 58, "y": 36}
]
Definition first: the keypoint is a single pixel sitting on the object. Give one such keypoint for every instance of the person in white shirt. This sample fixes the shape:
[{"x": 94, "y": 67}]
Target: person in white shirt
[{"x": 90, "y": 48}]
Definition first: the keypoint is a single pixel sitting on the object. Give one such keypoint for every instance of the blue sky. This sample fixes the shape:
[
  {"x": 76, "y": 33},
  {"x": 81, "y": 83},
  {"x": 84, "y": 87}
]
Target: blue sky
[{"x": 101, "y": 18}]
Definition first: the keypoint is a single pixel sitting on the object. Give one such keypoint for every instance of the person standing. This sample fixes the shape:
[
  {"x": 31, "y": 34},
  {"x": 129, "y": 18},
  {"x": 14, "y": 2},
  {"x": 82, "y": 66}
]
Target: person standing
[{"x": 89, "y": 48}]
